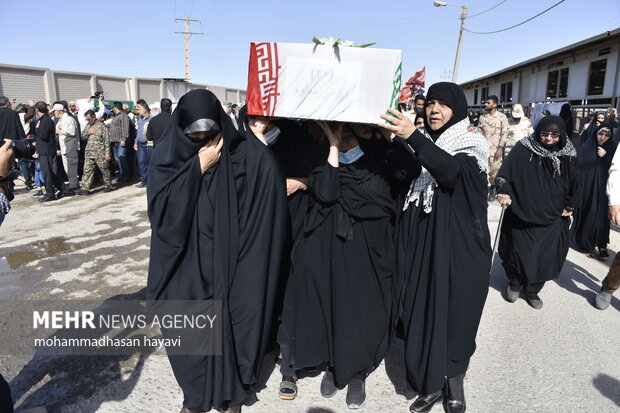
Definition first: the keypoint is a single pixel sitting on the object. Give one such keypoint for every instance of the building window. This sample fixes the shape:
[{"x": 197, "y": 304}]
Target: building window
[
  {"x": 596, "y": 84},
  {"x": 476, "y": 96},
  {"x": 506, "y": 92},
  {"x": 484, "y": 94},
  {"x": 557, "y": 83}
]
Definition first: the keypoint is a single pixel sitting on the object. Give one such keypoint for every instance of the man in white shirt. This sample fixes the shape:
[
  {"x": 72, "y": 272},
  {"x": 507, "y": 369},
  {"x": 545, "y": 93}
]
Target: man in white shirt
[
  {"x": 612, "y": 282},
  {"x": 66, "y": 130}
]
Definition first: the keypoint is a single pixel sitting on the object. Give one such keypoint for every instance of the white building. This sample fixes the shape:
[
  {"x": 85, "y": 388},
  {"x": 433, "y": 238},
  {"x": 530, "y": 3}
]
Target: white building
[{"x": 585, "y": 74}]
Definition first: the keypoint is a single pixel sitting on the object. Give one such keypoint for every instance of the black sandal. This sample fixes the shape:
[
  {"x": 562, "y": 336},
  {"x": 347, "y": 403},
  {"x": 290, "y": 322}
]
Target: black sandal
[
  {"x": 602, "y": 253},
  {"x": 288, "y": 388}
]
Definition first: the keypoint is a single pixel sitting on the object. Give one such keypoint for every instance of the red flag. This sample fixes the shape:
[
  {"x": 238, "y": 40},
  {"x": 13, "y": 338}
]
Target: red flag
[
  {"x": 416, "y": 82},
  {"x": 405, "y": 93}
]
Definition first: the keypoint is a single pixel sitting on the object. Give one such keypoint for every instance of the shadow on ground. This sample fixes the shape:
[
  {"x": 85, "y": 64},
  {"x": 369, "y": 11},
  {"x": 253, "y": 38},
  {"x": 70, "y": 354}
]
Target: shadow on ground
[
  {"x": 578, "y": 280},
  {"x": 60, "y": 381},
  {"x": 608, "y": 386}
]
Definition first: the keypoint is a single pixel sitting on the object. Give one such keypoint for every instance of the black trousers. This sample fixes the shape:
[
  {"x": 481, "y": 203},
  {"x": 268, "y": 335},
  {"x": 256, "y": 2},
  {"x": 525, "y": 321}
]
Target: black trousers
[
  {"x": 50, "y": 176},
  {"x": 6, "y": 402}
]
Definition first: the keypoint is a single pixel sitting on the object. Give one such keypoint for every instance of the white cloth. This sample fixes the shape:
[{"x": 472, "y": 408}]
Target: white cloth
[
  {"x": 613, "y": 182},
  {"x": 83, "y": 106},
  {"x": 456, "y": 139},
  {"x": 67, "y": 138},
  {"x": 25, "y": 125}
]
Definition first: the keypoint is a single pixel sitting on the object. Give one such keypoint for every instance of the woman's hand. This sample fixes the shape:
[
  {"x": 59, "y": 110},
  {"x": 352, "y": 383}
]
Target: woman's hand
[
  {"x": 601, "y": 152},
  {"x": 504, "y": 200},
  {"x": 566, "y": 213},
  {"x": 296, "y": 184},
  {"x": 259, "y": 127},
  {"x": 333, "y": 135},
  {"x": 210, "y": 153},
  {"x": 399, "y": 124}
]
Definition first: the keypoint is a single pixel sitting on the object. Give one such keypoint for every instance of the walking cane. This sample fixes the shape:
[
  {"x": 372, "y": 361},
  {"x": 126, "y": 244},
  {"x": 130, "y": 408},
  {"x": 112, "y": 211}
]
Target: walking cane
[{"x": 499, "y": 231}]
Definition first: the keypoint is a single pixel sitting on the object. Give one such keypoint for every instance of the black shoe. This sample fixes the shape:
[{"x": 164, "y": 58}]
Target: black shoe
[
  {"x": 424, "y": 404},
  {"x": 512, "y": 293},
  {"x": 69, "y": 192},
  {"x": 455, "y": 395},
  {"x": 58, "y": 194},
  {"x": 82, "y": 192},
  {"x": 38, "y": 193},
  {"x": 29, "y": 186},
  {"x": 108, "y": 189},
  {"x": 602, "y": 253},
  {"x": 455, "y": 406},
  {"x": 47, "y": 198},
  {"x": 534, "y": 301},
  {"x": 356, "y": 393},
  {"x": 328, "y": 388}
]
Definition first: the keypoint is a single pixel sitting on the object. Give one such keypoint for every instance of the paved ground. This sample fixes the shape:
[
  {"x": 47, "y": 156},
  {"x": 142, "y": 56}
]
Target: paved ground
[{"x": 563, "y": 358}]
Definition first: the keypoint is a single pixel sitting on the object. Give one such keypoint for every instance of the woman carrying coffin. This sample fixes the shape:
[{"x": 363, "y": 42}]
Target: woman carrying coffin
[
  {"x": 338, "y": 304},
  {"x": 539, "y": 180},
  {"x": 203, "y": 171},
  {"x": 444, "y": 253}
]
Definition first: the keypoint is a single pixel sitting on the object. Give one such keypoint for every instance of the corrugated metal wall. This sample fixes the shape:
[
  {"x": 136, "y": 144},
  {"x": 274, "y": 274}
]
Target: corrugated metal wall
[
  {"x": 22, "y": 84},
  {"x": 148, "y": 90},
  {"x": 71, "y": 86},
  {"x": 113, "y": 88}
]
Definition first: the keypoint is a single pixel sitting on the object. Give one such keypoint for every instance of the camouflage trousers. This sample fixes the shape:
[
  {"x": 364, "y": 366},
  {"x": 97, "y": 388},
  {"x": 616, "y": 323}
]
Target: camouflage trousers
[
  {"x": 89, "y": 171},
  {"x": 494, "y": 163}
]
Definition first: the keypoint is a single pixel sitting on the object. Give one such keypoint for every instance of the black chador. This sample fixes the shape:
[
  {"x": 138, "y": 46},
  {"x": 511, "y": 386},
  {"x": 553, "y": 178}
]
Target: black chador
[
  {"x": 444, "y": 253},
  {"x": 338, "y": 303},
  {"x": 591, "y": 220},
  {"x": 217, "y": 236},
  {"x": 542, "y": 182}
]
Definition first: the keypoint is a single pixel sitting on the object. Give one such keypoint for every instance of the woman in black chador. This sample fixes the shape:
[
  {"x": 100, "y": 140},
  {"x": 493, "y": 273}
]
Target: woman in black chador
[
  {"x": 338, "y": 301},
  {"x": 539, "y": 180},
  {"x": 591, "y": 220},
  {"x": 217, "y": 206},
  {"x": 444, "y": 252}
]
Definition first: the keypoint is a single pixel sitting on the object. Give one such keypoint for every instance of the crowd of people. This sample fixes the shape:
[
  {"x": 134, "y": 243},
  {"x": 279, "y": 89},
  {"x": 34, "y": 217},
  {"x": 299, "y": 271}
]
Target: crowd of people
[{"x": 327, "y": 240}]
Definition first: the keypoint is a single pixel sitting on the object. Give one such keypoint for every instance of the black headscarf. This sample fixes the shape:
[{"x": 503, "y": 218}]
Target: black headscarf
[
  {"x": 591, "y": 223},
  {"x": 592, "y": 129},
  {"x": 217, "y": 235},
  {"x": 453, "y": 96},
  {"x": 555, "y": 151}
]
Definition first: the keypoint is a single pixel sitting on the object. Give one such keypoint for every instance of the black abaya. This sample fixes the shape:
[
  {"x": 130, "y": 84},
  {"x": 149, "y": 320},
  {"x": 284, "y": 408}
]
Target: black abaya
[
  {"x": 339, "y": 293},
  {"x": 535, "y": 237},
  {"x": 444, "y": 256},
  {"x": 591, "y": 220},
  {"x": 217, "y": 236}
]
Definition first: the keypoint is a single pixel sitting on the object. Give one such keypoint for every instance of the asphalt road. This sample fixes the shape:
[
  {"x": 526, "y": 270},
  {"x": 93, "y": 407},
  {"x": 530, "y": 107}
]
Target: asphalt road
[{"x": 563, "y": 358}]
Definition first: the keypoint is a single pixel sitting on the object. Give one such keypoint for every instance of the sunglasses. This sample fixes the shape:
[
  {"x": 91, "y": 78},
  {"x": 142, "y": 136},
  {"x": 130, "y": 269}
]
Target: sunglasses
[{"x": 546, "y": 134}]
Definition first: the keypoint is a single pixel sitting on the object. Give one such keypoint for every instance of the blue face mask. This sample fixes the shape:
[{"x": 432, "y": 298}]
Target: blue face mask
[{"x": 351, "y": 155}]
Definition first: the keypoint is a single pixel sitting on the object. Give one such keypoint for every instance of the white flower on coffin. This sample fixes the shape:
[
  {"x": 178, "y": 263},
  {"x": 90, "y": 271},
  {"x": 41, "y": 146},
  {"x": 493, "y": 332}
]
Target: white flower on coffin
[{"x": 328, "y": 41}]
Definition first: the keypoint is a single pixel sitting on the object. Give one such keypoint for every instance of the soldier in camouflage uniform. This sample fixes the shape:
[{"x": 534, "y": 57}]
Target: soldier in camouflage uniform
[
  {"x": 96, "y": 154},
  {"x": 494, "y": 126}
]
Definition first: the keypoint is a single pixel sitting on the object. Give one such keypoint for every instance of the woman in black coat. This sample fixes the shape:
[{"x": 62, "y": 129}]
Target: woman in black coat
[
  {"x": 540, "y": 187},
  {"x": 591, "y": 221}
]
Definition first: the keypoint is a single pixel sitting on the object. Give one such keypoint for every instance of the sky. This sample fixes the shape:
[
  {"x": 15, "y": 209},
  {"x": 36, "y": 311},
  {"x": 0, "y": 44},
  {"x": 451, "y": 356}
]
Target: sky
[{"x": 137, "y": 39}]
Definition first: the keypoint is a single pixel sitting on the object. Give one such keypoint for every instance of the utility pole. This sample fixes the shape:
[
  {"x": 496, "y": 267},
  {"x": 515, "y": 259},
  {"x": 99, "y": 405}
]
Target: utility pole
[
  {"x": 458, "y": 48},
  {"x": 187, "y": 34}
]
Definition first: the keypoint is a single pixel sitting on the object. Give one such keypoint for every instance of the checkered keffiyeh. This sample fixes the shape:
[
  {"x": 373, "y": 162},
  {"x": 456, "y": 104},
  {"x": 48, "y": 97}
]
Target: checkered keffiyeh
[
  {"x": 535, "y": 147},
  {"x": 5, "y": 206},
  {"x": 456, "y": 139}
]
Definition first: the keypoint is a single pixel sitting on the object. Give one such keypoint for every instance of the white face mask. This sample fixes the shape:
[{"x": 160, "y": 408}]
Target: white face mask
[
  {"x": 351, "y": 155},
  {"x": 272, "y": 136}
]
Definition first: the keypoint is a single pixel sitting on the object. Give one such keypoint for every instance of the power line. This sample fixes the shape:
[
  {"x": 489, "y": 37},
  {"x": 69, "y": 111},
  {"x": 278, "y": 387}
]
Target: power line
[
  {"x": 482, "y": 12},
  {"x": 519, "y": 24}
]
